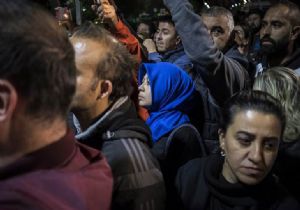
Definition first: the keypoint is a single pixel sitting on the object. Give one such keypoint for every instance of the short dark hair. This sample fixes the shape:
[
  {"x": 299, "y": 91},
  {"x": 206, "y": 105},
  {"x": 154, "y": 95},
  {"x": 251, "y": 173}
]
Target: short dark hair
[
  {"x": 166, "y": 19},
  {"x": 116, "y": 64},
  {"x": 252, "y": 100},
  {"x": 37, "y": 58}
]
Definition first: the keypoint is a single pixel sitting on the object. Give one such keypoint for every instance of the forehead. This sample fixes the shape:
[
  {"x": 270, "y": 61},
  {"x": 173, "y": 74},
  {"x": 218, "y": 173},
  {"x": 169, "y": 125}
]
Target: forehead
[
  {"x": 279, "y": 13},
  {"x": 216, "y": 21},
  {"x": 247, "y": 120}
]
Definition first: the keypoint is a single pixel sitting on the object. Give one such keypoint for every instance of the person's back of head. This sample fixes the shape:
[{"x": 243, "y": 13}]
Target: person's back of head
[
  {"x": 283, "y": 84},
  {"x": 115, "y": 63},
  {"x": 37, "y": 59},
  {"x": 220, "y": 23}
]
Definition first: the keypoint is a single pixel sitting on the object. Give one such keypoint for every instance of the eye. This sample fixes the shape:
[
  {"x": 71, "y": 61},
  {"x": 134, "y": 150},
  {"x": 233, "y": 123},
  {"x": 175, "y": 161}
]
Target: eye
[
  {"x": 270, "y": 144},
  {"x": 243, "y": 139},
  {"x": 277, "y": 25},
  {"x": 217, "y": 31}
]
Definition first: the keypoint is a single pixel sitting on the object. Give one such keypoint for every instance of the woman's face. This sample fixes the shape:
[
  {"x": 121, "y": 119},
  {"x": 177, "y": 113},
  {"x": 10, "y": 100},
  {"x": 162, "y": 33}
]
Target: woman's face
[
  {"x": 145, "y": 95},
  {"x": 250, "y": 144}
]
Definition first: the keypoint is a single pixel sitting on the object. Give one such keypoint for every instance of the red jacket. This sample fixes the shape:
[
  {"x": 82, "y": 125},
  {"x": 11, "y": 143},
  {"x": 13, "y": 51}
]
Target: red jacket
[
  {"x": 123, "y": 34},
  {"x": 64, "y": 175}
]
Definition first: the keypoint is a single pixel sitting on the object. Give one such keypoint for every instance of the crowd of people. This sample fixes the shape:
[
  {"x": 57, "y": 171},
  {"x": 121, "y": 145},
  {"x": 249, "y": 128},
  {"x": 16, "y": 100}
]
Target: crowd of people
[{"x": 191, "y": 111}]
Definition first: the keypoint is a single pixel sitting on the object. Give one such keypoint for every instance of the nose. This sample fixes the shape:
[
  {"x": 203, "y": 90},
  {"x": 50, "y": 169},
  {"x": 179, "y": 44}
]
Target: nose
[
  {"x": 141, "y": 87},
  {"x": 256, "y": 153},
  {"x": 159, "y": 36},
  {"x": 266, "y": 30}
]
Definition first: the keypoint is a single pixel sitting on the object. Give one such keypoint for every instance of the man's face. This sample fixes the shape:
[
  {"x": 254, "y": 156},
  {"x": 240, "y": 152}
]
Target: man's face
[
  {"x": 219, "y": 29},
  {"x": 254, "y": 22},
  {"x": 276, "y": 30},
  {"x": 87, "y": 56},
  {"x": 166, "y": 37}
]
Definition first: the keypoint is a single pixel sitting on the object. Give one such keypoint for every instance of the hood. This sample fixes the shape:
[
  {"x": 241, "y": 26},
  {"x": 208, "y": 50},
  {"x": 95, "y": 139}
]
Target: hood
[{"x": 119, "y": 121}]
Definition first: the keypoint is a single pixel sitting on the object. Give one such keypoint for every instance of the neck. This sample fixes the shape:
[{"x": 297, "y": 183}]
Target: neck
[
  {"x": 227, "y": 173},
  {"x": 32, "y": 137},
  {"x": 87, "y": 116}
]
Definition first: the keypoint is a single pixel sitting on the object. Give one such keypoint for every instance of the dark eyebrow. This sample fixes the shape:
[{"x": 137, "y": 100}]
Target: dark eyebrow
[
  {"x": 252, "y": 136},
  {"x": 217, "y": 27},
  {"x": 276, "y": 21}
]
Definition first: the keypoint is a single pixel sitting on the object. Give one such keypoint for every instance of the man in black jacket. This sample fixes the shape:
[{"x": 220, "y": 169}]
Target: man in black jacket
[{"x": 107, "y": 119}]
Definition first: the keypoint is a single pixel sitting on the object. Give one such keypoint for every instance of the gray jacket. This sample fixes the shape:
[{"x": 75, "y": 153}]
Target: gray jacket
[{"x": 223, "y": 74}]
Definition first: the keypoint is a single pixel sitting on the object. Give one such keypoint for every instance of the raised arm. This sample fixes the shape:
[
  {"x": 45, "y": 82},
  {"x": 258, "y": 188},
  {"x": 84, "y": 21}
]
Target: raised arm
[{"x": 223, "y": 75}]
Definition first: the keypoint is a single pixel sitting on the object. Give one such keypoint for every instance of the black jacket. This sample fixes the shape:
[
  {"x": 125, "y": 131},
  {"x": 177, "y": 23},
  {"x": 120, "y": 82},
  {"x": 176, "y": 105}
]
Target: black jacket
[
  {"x": 124, "y": 140},
  {"x": 200, "y": 185},
  {"x": 287, "y": 165}
]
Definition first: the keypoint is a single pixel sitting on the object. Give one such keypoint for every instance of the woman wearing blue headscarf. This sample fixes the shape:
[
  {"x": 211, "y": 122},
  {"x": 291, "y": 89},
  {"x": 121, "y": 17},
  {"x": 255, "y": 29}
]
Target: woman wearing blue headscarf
[
  {"x": 168, "y": 93},
  {"x": 172, "y": 92}
]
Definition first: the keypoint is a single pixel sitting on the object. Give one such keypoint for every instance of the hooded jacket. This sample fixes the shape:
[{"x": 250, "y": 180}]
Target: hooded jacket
[
  {"x": 177, "y": 57},
  {"x": 124, "y": 140}
]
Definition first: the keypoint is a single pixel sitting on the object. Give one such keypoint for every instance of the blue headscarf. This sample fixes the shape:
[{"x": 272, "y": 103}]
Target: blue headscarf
[{"x": 172, "y": 93}]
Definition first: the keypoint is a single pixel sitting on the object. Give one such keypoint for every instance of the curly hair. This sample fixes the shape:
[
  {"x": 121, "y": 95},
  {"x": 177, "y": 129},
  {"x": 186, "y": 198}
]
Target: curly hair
[{"x": 283, "y": 84}]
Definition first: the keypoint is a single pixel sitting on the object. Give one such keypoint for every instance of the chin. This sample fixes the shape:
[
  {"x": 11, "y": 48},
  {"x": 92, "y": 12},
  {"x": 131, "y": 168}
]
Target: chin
[{"x": 250, "y": 180}]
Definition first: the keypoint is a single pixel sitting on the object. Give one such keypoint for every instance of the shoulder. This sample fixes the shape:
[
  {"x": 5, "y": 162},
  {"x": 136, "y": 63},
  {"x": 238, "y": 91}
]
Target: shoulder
[
  {"x": 128, "y": 155},
  {"x": 55, "y": 189}
]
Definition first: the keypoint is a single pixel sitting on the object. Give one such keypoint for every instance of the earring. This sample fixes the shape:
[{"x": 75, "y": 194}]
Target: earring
[{"x": 222, "y": 153}]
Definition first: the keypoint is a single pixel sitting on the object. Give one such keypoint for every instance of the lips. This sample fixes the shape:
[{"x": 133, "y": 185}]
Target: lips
[
  {"x": 252, "y": 171},
  {"x": 267, "y": 42}
]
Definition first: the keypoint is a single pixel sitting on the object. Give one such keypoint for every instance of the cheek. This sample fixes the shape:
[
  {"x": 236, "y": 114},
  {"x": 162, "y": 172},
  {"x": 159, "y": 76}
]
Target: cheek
[{"x": 270, "y": 158}]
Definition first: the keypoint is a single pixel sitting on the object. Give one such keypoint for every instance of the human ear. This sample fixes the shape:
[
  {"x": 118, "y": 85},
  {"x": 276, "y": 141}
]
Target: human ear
[
  {"x": 295, "y": 32},
  {"x": 221, "y": 139},
  {"x": 8, "y": 100},
  {"x": 106, "y": 88},
  {"x": 178, "y": 40}
]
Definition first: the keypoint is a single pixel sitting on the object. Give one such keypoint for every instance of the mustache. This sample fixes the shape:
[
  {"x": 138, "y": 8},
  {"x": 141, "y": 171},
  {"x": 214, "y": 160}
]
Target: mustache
[{"x": 268, "y": 39}]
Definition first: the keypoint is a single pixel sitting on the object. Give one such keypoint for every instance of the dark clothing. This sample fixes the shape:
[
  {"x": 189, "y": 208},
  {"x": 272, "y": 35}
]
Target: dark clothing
[
  {"x": 201, "y": 185},
  {"x": 123, "y": 138},
  {"x": 177, "y": 57},
  {"x": 286, "y": 167},
  {"x": 294, "y": 61},
  {"x": 224, "y": 75},
  {"x": 216, "y": 76},
  {"x": 174, "y": 150},
  {"x": 63, "y": 175}
]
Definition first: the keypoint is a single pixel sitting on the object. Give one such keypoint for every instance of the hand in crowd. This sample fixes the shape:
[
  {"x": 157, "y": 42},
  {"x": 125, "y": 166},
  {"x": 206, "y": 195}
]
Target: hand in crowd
[
  {"x": 150, "y": 45},
  {"x": 105, "y": 11}
]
